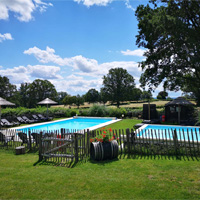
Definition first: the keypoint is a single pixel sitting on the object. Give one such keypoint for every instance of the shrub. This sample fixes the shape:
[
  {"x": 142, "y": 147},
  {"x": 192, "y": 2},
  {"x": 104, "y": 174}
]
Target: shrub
[
  {"x": 98, "y": 111},
  {"x": 137, "y": 112},
  {"x": 117, "y": 112},
  {"x": 72, "y": 113}
]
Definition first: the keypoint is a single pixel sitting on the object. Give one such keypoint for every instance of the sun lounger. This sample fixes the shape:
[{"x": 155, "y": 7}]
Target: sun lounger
[
  {"x": 45, "y": 118},
  {"x": 6, "y": 123},
  {"x": 28, "y": 120},
  {"x": 15, "y": 123},
  {"x": 35, "y": 117},
  {"x": 21, "y": 120}
]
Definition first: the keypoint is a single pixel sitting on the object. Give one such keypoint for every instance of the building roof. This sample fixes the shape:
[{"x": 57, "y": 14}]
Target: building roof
[{"x": 179, "y": 101}]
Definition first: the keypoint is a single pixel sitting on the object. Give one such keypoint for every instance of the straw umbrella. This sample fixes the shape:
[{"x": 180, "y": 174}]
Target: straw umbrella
[
  {"x": 3, "y": 102},
  {"x": 47, "y": 101}
]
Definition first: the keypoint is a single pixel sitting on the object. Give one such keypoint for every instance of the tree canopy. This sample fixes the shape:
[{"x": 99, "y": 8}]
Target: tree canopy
[
  {"x": 118, "y": 85},
  {"x": 7, "y": 90},
  {"x": 37, "y": 91},
  {"x": 162, "y": 95},
  {"x": 92, "y": 96},
  {"x": 170, "y": 30}
]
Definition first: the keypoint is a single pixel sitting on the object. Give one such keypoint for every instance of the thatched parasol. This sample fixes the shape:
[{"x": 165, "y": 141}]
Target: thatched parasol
[
  {"x": 4, "y": 102},
  {"x": 47, "y": 101}
]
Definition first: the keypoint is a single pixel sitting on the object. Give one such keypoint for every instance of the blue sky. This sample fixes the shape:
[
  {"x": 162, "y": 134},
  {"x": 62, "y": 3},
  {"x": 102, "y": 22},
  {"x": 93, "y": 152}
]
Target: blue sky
[{"x": 71, "y": 43}]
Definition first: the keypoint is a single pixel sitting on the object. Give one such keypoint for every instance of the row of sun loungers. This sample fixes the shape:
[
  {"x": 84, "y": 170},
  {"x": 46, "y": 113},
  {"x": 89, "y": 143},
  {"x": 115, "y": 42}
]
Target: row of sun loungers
[{"x": 24, "y": 120}]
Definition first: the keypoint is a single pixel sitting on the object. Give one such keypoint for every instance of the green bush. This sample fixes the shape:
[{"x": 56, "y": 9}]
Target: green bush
[
  {"x": 73, "y": 113},
  {"x": 117, "y": 112},
  {"x": 98, "y": 111},
  {"x": 137, "y": 112}
]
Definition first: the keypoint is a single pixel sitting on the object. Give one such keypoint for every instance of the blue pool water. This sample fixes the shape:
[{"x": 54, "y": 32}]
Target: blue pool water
[
  {"x": 165, "y": 131},
  {"x": 77, "y": 123}
]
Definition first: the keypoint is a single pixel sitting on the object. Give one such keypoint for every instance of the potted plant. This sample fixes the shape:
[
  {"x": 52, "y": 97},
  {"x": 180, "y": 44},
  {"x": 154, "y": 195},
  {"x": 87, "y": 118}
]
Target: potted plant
[{"x": 104, "y": 146}]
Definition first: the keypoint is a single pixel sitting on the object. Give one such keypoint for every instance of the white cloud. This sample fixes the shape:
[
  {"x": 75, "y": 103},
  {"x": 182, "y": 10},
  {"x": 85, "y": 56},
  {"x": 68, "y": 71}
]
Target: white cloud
[
  {"x": 77, "y": 62},
  {"x": 89, "y": 3},
  {"x": 77, "y": 85},
  {"x": 128, "y": 5},
  {"x": 23, "y": 9},
  {"x": 44, "y": 71},
  {"x": 5, "y": 36},
  {"x": 46, "y": 56},
  {"x": 22, "y": 74},
  {"x": 83, "y": 66},
  {"x": 137, "y": 52},
  {"x": 16, "y": 75}
]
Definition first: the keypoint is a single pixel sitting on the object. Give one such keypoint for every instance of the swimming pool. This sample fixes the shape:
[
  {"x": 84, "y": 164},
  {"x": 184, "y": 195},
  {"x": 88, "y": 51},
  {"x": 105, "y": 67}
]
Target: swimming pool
[
  {"x": 166, "y": 132},
  {"x": 78, "y": 123}
]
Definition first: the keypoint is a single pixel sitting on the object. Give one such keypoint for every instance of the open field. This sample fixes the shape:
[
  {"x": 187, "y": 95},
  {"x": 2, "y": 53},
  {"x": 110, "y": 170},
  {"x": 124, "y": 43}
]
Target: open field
[{"x": 127, "y": 104}]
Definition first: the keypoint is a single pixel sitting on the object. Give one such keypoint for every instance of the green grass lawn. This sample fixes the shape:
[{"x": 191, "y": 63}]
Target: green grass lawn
[
  {"x": 138, "y": 178},
  {"x": 124, "y": 124},
  {"x": 125, "y": 178}
]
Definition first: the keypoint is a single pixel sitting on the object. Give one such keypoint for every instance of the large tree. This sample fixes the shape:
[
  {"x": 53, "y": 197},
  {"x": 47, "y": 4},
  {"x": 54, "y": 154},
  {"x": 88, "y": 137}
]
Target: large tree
[
  {"x": 162, "y": 95},
  {"x": 7, "y": 90},
  {"x": 118, "y": 84},
  {"x": 24, "y": 94},
  {"x": 39, "y": 90},
  {"x": 136, "y": 94},
  {"x": 61, "y": 96},
  {"x": 170, "y": 30},
  {"x": 92, "y": 96}
]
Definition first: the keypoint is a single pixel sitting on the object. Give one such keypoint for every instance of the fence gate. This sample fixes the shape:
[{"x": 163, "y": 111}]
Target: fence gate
[{"x": 62, "y": 148}]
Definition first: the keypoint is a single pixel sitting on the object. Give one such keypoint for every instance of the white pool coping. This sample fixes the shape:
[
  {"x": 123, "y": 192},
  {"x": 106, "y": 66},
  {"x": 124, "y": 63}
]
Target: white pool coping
[
  {"x": 145, "y": 125},
  {"x": 138, "y": 131},
  {"x": 114, "y": 120}
]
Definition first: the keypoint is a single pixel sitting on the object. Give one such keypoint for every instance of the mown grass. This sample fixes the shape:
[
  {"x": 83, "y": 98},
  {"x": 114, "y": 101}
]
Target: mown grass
[
  {"x": 138, "y": 178},
  {"x": 21, "y": 177},
  {"x": 124, "y": 124}
]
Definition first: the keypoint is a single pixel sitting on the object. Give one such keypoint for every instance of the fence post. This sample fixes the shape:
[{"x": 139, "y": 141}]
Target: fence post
[
  {"x": 127, "y": 139},
  {"x": 29, "y": 135},
  {"x": 62, "y": 132},
  {"x": 76, "y": 147},
  {"x": 175, "y": 141},
  {"x": 88, "y": 142},
  {"x": 40, "y": 147}
]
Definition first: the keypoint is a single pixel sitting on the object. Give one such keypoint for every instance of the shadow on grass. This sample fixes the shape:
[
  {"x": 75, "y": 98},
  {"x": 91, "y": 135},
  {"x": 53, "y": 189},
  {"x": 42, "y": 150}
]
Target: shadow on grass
[
  {"x": 161, "y": 157},
  {"x": 70, "y": 164},
  {"x": 103, "y": 162}
]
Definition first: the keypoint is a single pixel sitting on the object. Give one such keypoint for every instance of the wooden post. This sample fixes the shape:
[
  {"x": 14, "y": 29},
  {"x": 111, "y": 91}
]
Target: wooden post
[
  {"x": 186, "y": 152},
  {"x": 166, "y": 141},
  {"x": 197, "y": 140},
  {"x": 127, "y": 139},
  {"x": 76, "y": 146},
  {"x": 40, "y": 147},
  {"x": 179, "y": 114},
  {"x": 175, "y": 141},
  {"x": 88, "y": 142},
  {"x": 149, "y": 111},
  {"x": 29, "y": 135},
  {"x": 189, "y": 143}
]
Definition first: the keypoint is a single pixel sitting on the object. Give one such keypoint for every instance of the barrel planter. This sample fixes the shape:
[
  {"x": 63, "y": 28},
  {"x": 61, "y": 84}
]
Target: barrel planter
[{"x": 104, "y": 150}]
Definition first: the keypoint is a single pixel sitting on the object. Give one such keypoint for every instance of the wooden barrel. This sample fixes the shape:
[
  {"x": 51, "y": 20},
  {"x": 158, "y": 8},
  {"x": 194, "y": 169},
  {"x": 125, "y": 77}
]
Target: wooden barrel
[{"x": 104, "y": 151}]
